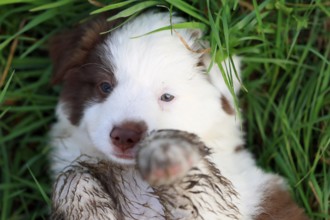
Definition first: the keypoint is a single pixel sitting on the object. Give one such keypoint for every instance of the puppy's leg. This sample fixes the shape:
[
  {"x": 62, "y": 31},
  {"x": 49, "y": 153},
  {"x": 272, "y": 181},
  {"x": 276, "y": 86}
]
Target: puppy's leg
[
  {"x": 77, "y": 194},
  {"x": 189, "y": 186}
]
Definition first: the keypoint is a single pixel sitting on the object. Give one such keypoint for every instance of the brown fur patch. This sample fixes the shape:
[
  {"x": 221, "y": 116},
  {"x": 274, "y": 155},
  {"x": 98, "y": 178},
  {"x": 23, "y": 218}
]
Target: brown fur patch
[
  {"x": 72, "y": 48},
  {"x": 278, "y": 205},
  {"x": 200, "y": 64},
  {"x": 239, "y": 148},
  {"x": 226, "y": 106},
  {"x": 77, "y": 63}
]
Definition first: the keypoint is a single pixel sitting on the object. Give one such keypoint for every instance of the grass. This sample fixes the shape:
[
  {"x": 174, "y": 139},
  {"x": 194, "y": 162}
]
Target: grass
[{"x": 285, "y": 49}]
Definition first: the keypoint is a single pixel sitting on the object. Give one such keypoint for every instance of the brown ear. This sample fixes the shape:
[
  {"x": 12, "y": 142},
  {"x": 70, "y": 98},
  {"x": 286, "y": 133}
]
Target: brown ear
[
  {"x": 70, "y": 49},
  {"x": 62, "y": 46}
]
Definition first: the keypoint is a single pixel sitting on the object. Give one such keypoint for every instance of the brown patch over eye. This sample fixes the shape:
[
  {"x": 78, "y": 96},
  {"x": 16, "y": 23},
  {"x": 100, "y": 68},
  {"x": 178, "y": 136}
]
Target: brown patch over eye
[
  {"x": 85, "y": 86},
  {"x": 226, "y": 106},
  {"x": 78, "y": 64}
]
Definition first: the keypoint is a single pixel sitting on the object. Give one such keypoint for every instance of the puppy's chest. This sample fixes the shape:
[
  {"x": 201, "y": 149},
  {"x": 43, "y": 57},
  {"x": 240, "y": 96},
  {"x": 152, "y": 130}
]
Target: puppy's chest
[{"x": 136, "y": 199}]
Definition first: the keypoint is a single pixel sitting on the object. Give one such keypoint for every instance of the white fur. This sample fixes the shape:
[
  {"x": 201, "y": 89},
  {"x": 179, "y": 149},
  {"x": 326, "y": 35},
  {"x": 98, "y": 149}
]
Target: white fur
[{"x": 145, "y": 68}]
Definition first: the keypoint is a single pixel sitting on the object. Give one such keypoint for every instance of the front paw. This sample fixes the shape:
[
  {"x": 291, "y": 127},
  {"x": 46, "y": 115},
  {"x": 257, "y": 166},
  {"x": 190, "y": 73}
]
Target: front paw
[{"x": 167, "y": 155}]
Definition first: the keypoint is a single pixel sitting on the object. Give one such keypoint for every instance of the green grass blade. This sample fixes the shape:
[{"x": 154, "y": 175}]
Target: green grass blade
[
  {"x": 52, "y": 5},
  {"x": 7, "y": 2},
  {"x": 25, "y": 129},
  {"x": 112, "y": 6},
  {"x": 5, "y": 89},
  {"x": 183, "y": 25},
  {"x": 41, "y": 190},
  {"x": 33, "y": 23},
  {"x": 133, "y": 10},
  {"x": 188, "y": 9}
]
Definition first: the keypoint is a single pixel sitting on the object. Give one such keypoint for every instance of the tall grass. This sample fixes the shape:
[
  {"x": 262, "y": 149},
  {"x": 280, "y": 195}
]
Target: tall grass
[{"x": 285, "y": 104}]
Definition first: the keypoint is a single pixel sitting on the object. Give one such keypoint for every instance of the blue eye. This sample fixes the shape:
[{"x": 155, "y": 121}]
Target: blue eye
[
  {"x": 106, "y": 87},
  {"x": 166, "y": 97}
]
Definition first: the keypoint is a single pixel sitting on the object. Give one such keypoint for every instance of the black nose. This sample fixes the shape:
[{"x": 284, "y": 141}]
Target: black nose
[{"x": 126, "y": 135}]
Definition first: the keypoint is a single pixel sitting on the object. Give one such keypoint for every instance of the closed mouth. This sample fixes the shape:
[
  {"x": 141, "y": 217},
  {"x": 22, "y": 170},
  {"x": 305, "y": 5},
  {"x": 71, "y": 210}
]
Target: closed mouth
[{"x": 126, "y": 156}]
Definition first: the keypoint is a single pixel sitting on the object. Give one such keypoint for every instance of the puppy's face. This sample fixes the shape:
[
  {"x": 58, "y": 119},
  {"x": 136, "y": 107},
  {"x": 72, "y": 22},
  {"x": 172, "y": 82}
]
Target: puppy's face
[{"x": 118, "y": 88}]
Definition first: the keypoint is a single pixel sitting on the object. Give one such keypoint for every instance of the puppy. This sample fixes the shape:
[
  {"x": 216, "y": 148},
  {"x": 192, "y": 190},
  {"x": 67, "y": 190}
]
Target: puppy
[{"x": 120, "y": 86}]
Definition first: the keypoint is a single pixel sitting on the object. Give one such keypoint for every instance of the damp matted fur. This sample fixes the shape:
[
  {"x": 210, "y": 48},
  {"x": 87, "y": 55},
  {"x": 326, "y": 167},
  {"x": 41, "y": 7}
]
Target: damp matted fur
[{"x": 95, "y": 189}]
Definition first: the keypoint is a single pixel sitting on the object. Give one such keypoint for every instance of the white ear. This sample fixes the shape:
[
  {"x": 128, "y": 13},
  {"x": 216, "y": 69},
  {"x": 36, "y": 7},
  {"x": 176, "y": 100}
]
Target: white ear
[
  {"x": 190, "y": 38},
  {"x": 232, "y": 72}
]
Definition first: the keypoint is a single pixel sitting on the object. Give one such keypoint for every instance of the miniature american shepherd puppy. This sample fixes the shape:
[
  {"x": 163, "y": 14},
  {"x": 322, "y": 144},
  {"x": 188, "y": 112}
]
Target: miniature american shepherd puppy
[{"x": 147, "y": 129}]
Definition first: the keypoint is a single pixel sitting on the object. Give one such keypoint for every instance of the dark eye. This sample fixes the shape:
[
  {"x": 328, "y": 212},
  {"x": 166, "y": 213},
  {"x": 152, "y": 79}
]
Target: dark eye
[
  {"x": 105, "y": 87},
  {"x": 166, "y": 97}
]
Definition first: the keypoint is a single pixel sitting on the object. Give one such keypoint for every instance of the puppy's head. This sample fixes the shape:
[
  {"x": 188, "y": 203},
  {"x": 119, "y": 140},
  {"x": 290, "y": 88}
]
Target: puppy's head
[{"x": 117, "y": 87}]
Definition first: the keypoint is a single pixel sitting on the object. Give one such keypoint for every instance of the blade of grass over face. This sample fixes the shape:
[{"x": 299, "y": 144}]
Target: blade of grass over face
[
  {"x": 121, "y": 24},
  {"x": 216, "y": 43},
  {"x": 184, "y": 25}
]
